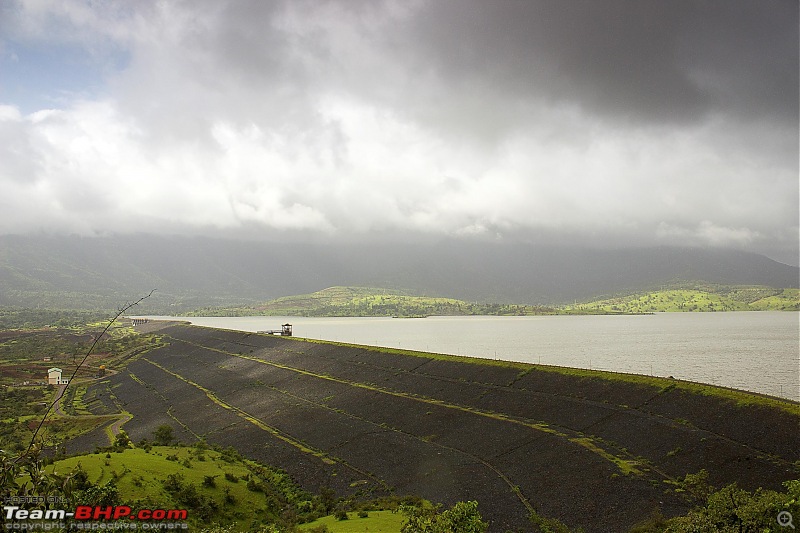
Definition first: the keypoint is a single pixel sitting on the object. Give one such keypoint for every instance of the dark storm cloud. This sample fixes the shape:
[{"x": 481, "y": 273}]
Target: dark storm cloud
[
  {"x": 640, "y": 60},
  {"x": 608, "y": 122}
]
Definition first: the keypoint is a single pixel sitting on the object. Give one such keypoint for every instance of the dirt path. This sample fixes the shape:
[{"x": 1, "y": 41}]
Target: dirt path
[
  {"x": 116, "y": 427},
  {"x": 59, "y": 395}
]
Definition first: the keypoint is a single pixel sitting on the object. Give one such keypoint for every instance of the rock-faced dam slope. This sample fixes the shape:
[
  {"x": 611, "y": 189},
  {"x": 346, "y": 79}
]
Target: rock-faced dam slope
[{"x": 592, "y": 449}]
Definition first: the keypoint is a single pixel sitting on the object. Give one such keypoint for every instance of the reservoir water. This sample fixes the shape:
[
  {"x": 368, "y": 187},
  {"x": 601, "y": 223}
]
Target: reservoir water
[{"x": 755, "y": 351}]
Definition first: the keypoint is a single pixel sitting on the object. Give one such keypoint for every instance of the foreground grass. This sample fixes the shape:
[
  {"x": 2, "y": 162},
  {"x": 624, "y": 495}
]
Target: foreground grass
[
  {"x": 375, "y": 522},
  {"x": 234, "y": 491},
  {"x": 138, "y": 473}
]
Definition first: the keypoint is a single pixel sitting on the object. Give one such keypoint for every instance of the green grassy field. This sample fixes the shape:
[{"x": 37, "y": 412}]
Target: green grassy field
[
  {"x": 375, "y": 522},
  {"x": 366, "y": 301},
  {"x": 240, "y": 492},
  {"x": 701, "y": 298},
  {"x": 785, "y": 300}
]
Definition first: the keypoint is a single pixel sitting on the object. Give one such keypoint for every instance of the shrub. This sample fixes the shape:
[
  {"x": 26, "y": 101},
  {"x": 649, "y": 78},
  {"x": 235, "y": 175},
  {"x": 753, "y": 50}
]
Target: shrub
[
  {"x": 254, "y": 486},
  {"x": 173, "y": 483},
  {"x": 163, "y": 435},
  {"x": 121, "y": 441},
  {"x": 462, "y": 517},
  {"x": 204, "y": 506}
]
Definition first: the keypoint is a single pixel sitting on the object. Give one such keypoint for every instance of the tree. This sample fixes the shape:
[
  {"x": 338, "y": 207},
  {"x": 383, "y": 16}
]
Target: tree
[
  {"x": 162, "y": 436},
  {"x": 463, "y": 517},
  {"x": 732, "y": 509},
  {"x": 122, "y": 440}
]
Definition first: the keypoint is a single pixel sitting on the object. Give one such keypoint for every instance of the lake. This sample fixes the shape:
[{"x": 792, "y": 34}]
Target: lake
[{"x": 755, "y": 351}]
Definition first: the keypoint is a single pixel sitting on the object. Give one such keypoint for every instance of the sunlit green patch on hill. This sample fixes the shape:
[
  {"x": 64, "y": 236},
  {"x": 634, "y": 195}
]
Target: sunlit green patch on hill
[
  {"x": 366, "y": 301},
  {"x": 373, "y": 522},
  {"x": 785, "y": 300},
  {"x": 215, "y": 486},
  {"x": 703, "y": 298}
]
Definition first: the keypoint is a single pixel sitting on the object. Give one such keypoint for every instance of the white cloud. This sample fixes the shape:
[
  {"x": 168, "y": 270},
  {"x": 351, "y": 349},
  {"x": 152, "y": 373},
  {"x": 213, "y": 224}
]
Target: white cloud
[
  {"x": 707, "y": 233},
  {"x": 341, "y": 118}
]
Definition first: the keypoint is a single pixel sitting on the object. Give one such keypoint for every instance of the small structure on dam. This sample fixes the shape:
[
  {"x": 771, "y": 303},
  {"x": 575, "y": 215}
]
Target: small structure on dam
[{"x": 285, "y": 331}]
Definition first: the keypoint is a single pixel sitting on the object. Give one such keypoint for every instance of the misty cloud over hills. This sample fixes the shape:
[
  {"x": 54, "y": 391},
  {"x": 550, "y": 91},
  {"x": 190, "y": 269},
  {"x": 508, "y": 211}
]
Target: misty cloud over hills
[{"x": 192, "y": 272}]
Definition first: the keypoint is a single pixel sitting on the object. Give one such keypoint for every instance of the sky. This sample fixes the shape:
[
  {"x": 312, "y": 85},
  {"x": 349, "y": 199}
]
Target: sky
[{"x": 605, "y": 123}]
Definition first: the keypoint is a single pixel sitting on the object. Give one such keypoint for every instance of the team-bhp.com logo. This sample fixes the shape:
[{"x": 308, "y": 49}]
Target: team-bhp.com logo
[
  {"x": 82, "y": 516},
  {"x": 86, "y": 512}
]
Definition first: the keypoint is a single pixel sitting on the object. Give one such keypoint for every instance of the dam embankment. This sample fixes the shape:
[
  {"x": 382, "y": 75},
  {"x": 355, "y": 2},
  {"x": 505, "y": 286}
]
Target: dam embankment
[{"x": 594, "y": 450}]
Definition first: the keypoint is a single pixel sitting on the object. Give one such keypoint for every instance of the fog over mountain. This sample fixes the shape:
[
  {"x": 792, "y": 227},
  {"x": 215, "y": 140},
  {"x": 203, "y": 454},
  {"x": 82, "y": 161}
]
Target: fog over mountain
[
  {"x": 192, "y": 272},
  {"x": 610, "y": 124}
]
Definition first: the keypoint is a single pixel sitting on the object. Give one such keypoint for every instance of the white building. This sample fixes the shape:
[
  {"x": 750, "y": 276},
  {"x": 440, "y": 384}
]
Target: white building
[{"x": 54, "y": 377}]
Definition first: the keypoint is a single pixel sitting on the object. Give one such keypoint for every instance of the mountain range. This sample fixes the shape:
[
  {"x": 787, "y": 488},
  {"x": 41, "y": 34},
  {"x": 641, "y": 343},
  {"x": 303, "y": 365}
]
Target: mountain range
[{"x": 191, "y": 272}]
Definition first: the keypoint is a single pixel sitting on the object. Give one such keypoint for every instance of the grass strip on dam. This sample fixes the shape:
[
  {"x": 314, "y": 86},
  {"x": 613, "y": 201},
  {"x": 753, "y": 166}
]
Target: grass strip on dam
[
  {"x": 257, "y": 422},
  {"x": 625, "y": 465}
]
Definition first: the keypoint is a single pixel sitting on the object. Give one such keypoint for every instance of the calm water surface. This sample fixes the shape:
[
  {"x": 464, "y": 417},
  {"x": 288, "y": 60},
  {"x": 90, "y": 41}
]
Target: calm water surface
[{"x": 756, "y": 351}]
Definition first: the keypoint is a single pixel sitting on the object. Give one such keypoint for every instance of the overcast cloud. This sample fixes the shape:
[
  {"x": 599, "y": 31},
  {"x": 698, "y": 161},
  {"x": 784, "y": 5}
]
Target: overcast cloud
[{"x": 604, "y": 122}]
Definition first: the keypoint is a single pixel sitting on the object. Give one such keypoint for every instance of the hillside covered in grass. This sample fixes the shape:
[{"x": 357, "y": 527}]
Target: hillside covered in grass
[
  {"x": 700, "y": 298},
  {"x": 216, "y": 486},
  {"x": 368, "y": 301}
]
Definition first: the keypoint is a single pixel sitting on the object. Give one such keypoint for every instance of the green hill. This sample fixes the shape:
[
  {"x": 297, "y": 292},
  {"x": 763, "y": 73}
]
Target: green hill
[
  {"x": 48, "y": 272},
  {"x": 700, "y": 298},
  {"x": 216, "y": 486},
  {"x": 367, "y": 301}
]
